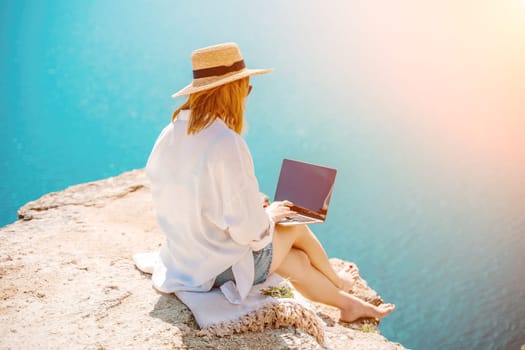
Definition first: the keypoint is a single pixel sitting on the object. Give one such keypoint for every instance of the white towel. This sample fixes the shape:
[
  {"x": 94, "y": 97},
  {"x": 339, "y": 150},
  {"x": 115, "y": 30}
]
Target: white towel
[{"x": 212, "y": 308}]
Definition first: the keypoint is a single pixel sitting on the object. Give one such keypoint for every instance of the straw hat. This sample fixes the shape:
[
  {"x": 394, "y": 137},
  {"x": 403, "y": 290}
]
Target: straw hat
[{"x": 217, "y": 65}]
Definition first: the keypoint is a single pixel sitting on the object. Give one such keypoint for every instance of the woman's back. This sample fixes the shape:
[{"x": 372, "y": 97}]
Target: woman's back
[{"x": 195, "y": 181}]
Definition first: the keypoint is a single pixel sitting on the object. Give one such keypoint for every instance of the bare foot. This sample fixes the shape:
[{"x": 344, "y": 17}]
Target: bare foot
[
  {"x": 360, "y": 309},
  {"x": 348, "y": 276}
]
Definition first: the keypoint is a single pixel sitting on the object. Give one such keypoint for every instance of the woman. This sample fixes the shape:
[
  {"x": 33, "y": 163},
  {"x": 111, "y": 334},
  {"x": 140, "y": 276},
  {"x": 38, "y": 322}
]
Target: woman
[{"x": 209, "y": 207}]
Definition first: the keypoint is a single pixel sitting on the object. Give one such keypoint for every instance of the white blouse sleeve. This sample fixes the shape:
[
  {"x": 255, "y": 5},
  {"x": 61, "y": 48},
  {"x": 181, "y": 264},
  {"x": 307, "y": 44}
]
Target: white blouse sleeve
[{"x": 244, "y": 216}]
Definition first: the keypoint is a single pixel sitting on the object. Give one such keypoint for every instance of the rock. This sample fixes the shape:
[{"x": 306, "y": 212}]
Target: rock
[{"x": 68, "y": 281}]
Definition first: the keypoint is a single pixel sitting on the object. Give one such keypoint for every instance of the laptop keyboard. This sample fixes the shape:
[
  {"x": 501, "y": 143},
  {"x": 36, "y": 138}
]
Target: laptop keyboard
[{"x": 300, "y": 218}]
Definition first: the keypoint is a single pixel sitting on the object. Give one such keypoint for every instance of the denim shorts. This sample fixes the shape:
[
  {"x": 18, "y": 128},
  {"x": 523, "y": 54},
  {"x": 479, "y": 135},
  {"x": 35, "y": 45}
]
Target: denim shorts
[{"x": 262, "y": 259}]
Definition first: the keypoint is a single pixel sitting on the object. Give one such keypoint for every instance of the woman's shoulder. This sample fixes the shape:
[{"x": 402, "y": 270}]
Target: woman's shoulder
[{"x": 163, "y": 135}]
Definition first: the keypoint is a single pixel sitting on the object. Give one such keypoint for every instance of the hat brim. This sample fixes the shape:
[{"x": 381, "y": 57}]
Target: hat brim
[{"x": 190, "y": 89}]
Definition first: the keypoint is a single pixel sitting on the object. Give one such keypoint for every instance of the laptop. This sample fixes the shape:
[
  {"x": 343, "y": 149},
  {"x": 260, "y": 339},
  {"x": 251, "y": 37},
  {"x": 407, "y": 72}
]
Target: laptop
[{"x": 309, "y": 187}]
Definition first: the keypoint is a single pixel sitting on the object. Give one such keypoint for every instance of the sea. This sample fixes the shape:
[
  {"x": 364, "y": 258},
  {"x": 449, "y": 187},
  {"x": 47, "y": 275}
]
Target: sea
[{"x": 418, "y": 105}]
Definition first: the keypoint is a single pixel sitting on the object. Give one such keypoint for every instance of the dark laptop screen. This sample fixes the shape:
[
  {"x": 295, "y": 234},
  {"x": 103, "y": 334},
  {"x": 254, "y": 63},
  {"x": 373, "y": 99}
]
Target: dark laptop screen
[{"x": 306, "y": 185}]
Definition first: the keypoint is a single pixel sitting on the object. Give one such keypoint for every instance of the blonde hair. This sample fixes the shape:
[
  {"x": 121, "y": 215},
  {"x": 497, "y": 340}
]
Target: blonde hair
[{"x": 225, "y": 102}]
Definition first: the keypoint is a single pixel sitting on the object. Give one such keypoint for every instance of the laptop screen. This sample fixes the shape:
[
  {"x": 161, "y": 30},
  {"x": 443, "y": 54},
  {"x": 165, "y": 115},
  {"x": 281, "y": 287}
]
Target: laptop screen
[{"x": 306, "y": 185}]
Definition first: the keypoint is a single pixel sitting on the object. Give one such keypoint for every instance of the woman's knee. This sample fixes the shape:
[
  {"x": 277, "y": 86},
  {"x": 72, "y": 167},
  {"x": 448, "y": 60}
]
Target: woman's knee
[
  {"x": 284, "y": 240},
  {"x": 296, "y": 262},
  {"x": 301, "y": 257}
]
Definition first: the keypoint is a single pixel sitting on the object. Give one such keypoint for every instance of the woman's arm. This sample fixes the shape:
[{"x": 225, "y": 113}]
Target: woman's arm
[{"x": 244, "y": 216}]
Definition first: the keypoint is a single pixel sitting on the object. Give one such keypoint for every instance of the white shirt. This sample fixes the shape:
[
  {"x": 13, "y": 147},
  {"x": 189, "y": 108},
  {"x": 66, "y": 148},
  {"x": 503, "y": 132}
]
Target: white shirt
[{"x": 208, "y": 206}]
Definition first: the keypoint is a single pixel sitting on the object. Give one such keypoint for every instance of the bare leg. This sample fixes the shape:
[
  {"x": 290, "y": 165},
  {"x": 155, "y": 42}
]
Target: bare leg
[
  {"x": 301, "y": 237},
  {"x": 317, "y": 287}
]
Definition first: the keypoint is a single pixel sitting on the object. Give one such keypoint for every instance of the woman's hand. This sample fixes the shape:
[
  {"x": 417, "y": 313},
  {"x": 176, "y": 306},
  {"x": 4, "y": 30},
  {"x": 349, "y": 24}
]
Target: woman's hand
[{"x": 280, "y": 210}]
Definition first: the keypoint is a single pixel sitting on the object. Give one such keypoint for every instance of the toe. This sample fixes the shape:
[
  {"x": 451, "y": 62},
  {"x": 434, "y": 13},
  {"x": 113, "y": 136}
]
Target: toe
[{"x": 351, "y": 268}]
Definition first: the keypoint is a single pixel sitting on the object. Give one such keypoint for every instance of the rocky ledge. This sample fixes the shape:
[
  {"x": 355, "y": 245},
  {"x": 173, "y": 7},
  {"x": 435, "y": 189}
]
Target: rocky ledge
[{"x": 67, "y": 280}]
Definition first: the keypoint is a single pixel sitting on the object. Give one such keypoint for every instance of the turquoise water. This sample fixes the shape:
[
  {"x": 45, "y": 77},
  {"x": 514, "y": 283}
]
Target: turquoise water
[{"x": 429, "y": 197}]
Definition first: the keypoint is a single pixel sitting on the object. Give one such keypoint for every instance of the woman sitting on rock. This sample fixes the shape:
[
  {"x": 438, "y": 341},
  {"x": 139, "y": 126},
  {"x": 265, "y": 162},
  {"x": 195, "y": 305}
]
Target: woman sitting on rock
[{"x": 209, "y": 206}]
